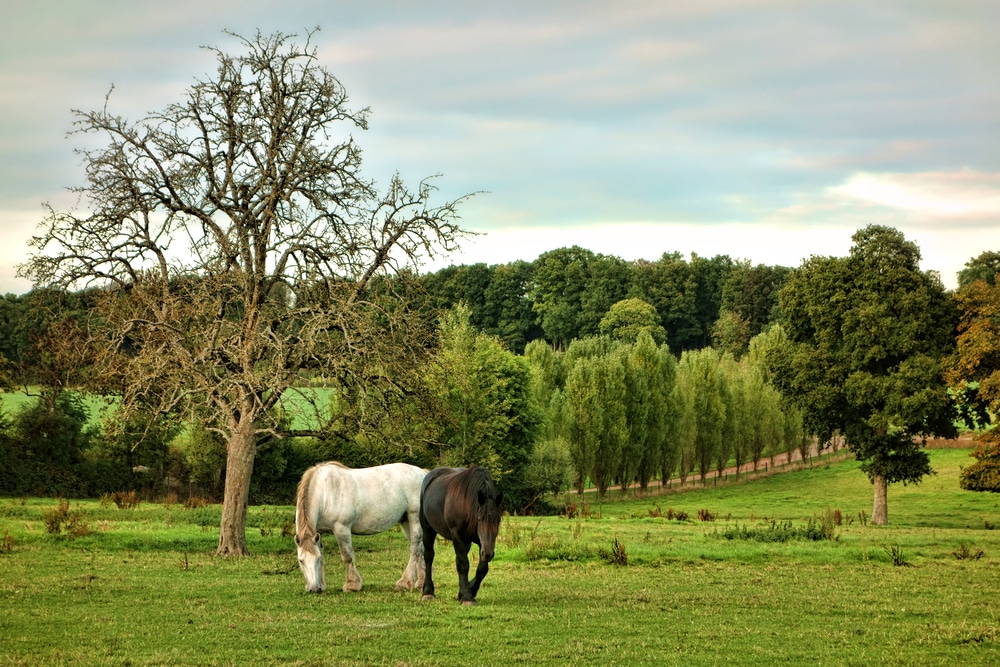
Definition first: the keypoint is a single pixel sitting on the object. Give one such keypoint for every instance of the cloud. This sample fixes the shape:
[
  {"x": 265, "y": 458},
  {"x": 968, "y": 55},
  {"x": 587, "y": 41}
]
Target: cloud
[{"x": 928, "y": 197}]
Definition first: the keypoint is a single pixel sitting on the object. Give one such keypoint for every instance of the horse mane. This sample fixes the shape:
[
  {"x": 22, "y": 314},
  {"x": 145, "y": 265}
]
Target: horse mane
[
  {"x": 468, "y": 484},
  {"x": 303, "y": 527}
]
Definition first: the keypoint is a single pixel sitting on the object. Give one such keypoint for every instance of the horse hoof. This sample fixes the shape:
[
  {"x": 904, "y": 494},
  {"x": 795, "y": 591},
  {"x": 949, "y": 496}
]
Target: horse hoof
[
  {"x": 427, "y": 597},
  {"x": 468, "y": 603}
]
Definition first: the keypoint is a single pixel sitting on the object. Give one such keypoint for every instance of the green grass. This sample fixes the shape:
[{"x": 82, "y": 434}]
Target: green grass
[
  {"x": 302, "y": 411},
  {"x": 142, "y": 588},
  {"x": 12, "y": 401}
]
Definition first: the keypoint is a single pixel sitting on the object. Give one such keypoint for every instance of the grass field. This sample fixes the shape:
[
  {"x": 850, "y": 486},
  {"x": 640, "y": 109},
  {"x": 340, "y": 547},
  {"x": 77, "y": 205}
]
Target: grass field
[{"x": 142, "y": 588}]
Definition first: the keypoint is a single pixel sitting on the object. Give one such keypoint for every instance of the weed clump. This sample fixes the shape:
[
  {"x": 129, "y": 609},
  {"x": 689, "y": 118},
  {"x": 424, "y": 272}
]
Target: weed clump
[
  {"x": 772, "y": 530},
  {"x": 574, "y": 511},
  {"x": 7, "y": 543},
  {"x": 965, "y": 552},
  {"x": 618, "y": 554},
  {"x": 895, "y": 553},
  {"x": 125, "y": 500},
  {"x": 828, "y": 522},
  {"x": 62, "y": 518},
  {"x": 550, "y": 547}
]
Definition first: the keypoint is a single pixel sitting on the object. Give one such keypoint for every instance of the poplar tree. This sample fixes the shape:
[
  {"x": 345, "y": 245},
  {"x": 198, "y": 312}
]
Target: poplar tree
[{"x": 705, "y": 411}]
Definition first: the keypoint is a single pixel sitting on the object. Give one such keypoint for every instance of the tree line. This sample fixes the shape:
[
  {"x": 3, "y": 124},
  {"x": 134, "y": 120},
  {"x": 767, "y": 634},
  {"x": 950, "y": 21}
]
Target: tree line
[{"x": 565, "y": 293}]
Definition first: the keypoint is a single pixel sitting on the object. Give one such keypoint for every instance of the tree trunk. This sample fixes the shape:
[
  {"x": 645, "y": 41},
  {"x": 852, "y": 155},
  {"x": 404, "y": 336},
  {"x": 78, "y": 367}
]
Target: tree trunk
[
  {"x": 880, "y": 508},
  {"x": 239, "y": 468}
]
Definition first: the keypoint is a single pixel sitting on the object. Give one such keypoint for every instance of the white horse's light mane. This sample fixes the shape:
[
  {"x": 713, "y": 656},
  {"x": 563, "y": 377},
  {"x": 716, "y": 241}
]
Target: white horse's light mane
[{"x": 304, "y": 528}]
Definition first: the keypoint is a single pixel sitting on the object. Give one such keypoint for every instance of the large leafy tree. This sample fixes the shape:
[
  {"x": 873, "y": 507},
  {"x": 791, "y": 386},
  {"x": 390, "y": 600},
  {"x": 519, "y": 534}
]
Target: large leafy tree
[
  {"x": 974, "y": 370},
  {"x": 629, "y": 318},
  {"x": 238, "y": 245},
  {"x": 487, "y": 414},
  {"x": 751, "y": 293},
  {"x": 508, "y": 312},
  {"x": 869, "y": 333},
  {"x": 573, "y": 289}
]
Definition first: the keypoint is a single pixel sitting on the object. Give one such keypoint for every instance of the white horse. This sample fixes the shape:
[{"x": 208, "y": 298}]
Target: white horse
[{"x": 333, "y": 498}]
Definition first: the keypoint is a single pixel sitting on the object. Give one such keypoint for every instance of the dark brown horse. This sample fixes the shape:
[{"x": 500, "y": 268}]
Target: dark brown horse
[{"x": 461, "y": 505}]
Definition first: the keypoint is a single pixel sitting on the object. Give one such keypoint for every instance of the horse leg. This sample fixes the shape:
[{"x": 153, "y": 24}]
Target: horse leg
[
  {"x": 465, "y": 595},
  {"x": 413, "y": 575},
  {"x": 481, "y": 570},
  {"x": 352, "y": 580},
  {"x": 428, "y": 537}
]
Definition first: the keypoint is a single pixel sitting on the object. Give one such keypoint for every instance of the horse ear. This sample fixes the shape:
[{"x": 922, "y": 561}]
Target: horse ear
[
  {"x": 316, "y": 538},
  {"x": 482, "y": 497},
  {"x": 298, "y": 540},
  {"x": 499, "y": 498}
]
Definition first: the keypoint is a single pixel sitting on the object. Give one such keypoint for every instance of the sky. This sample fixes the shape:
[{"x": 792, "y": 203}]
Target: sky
[{"x": 769, "y": 131}]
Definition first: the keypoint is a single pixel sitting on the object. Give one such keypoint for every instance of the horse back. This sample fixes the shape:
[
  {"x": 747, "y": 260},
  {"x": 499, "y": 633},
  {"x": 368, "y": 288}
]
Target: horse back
[
  {"x": 442, "y": 508},
  {"x": 366, "y": 500}
]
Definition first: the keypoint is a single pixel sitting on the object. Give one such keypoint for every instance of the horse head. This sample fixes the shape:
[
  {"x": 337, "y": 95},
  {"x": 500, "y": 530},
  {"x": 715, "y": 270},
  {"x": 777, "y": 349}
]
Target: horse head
[
  {"x": 488, "y": 523},
  {"x": 310, "y": 552}
]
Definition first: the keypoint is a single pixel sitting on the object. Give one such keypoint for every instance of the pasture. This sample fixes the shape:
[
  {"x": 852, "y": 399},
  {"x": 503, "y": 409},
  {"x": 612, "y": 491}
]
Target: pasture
[{"x": 141, "y": 587}]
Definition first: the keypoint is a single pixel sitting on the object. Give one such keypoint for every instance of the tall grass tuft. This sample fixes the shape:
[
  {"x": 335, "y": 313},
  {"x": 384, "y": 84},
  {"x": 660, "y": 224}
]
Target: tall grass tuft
[
  {"x": 965, "y": 552},
  {"x": 895, "y": 553},
  {"x": 7, "y": 543},
  {"x": 828, "y": 522},
  {"x": 618, "y": 555},
  {"x": 772, "y": 530}
]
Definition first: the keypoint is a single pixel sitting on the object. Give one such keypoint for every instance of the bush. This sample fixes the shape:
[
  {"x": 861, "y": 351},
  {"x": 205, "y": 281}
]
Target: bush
[
  {"x": 61, "y": 518},
  {"x": 550, "y": 469},
  {"x": 205, "y": 456},
  {"x": 984, "y": 474}
]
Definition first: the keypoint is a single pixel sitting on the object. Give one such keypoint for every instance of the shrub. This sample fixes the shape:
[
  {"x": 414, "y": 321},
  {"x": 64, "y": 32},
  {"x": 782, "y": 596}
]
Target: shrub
[
  {"x": 550, "y": 469},
  {"x": 984, "y": 474},
  {"x": 828, "y": 522},
  {"x": 125, "y": 500},
  {"x": 61, "y": 518},
  {"x": 705, "y": 515},
  {"x": 574, "y": 511},
  {"x": 196, "y": 502}
]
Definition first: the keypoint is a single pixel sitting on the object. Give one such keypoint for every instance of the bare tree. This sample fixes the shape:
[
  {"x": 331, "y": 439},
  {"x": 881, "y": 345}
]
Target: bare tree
[{"x": 239, "y": 247}]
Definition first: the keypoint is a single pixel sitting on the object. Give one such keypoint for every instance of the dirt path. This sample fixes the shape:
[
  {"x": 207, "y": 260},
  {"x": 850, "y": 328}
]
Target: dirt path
[
  {"x": 765, "y": 467},
  {"x": 779, "y": 464}
]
